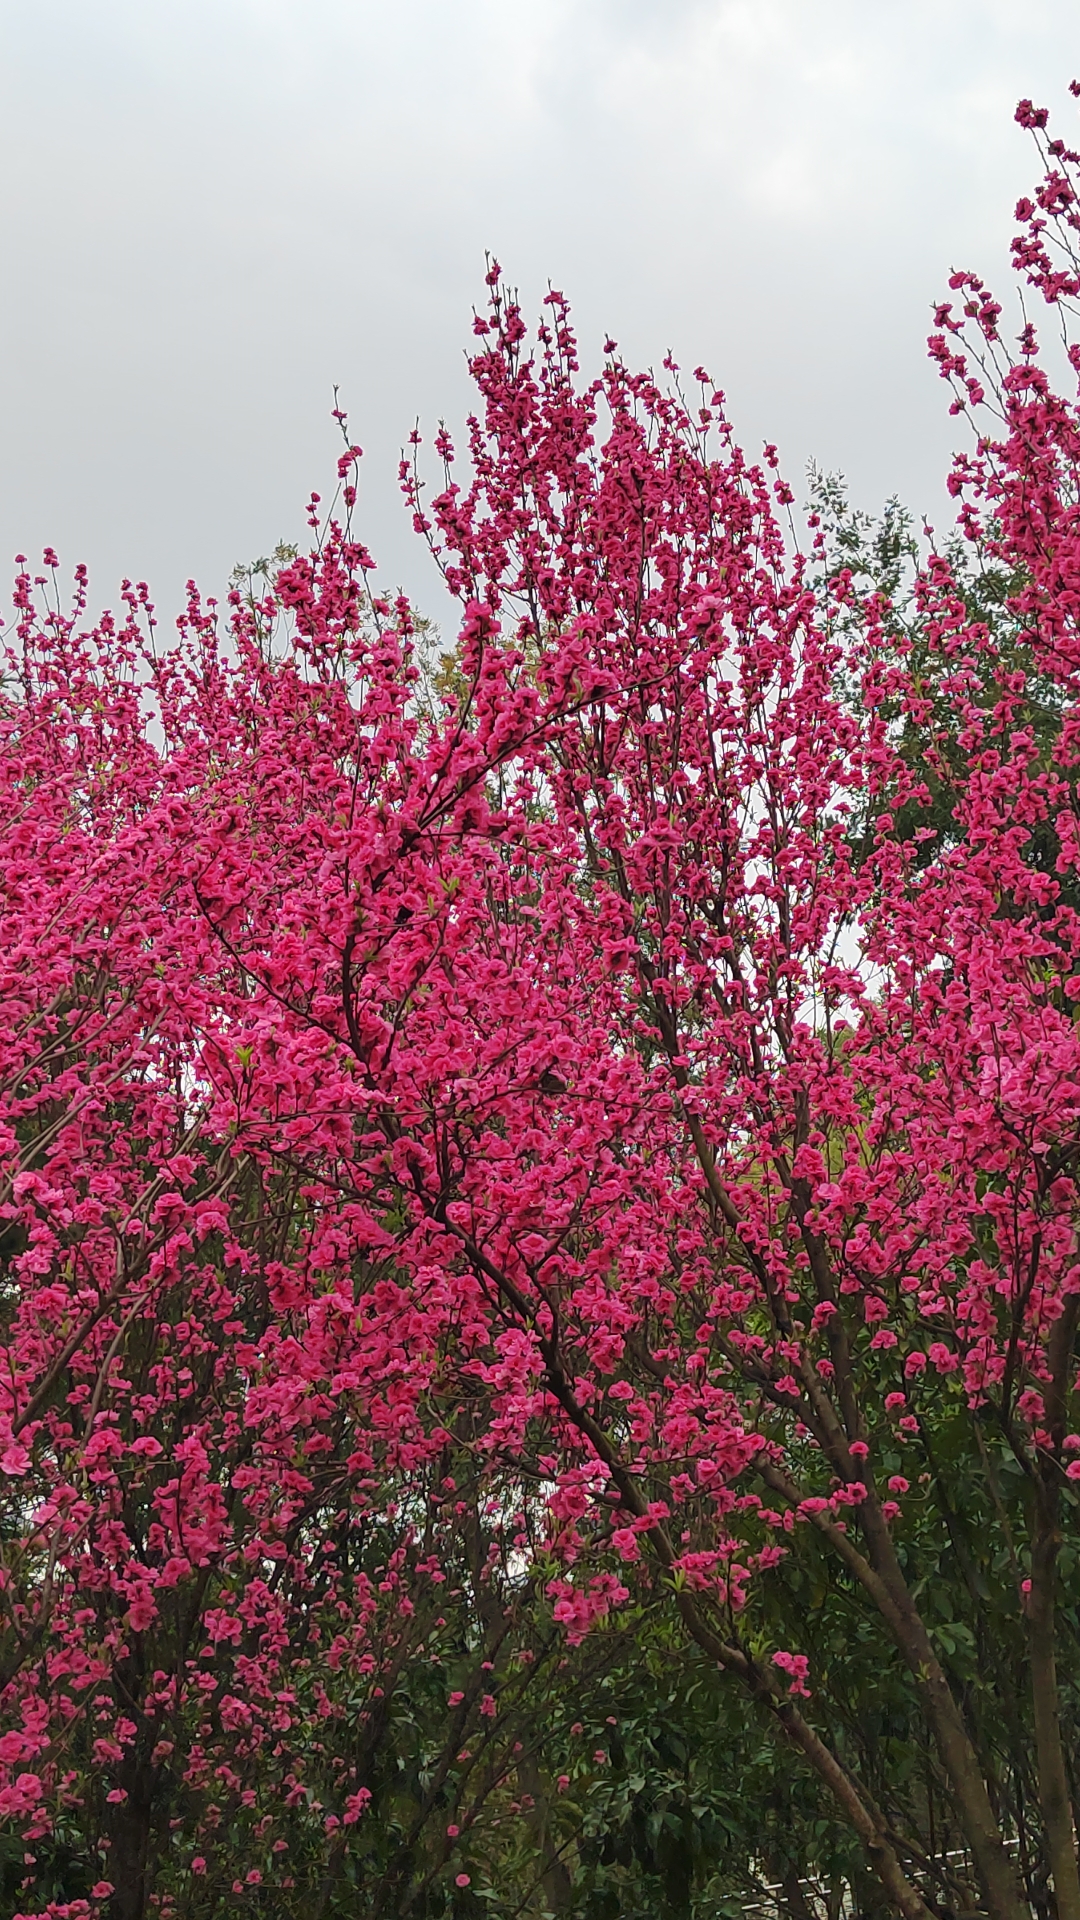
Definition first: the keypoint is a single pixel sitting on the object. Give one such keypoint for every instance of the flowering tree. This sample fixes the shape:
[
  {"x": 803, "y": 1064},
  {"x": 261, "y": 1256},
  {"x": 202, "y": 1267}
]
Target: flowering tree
[
  {"x": 598, "y": 1127},
  {"x": 219, "y": 1545}
]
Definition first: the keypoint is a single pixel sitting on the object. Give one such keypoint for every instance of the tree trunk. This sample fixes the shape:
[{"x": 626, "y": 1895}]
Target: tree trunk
[
  {"x": 1054, "y": 1799},
  {"x": 128, "y": 1828},
  {"x": 555, "y": 1875},
  {"x": 880, "y": 1852},
  {"x": 997, "y": 1876}
]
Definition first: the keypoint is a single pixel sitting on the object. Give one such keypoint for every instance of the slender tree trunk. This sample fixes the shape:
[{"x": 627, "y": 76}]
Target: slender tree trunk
[
  {"x": 997, "y": 1876},
  {"x": 555, "y": 1875},
  {"x": 795, "y": 1900},
  {"x": 129, "y": 1854},
  {"x": 881, "y": 1854},
  {"x": 1054, "y": 1801},
  {"x": 1054, "y": 1798},
  {"x": 883, "y": 1579}
]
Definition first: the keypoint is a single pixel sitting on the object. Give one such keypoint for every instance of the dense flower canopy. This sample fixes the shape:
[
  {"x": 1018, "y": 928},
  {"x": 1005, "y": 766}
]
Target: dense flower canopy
[{"x": 597, "y": 1066}]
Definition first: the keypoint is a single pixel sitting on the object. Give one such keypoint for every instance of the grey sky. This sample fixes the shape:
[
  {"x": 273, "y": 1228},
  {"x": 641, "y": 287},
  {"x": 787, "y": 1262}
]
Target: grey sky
[{"x": 214, "y": 209}]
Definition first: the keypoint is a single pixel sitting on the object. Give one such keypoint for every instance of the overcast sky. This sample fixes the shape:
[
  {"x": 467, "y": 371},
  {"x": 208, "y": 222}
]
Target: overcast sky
[{"x": 213, "y": 210}]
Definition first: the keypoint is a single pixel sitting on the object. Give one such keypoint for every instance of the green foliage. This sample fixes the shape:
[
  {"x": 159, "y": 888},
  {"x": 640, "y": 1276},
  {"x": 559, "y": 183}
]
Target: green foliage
[{"x": 861, "y": 560}]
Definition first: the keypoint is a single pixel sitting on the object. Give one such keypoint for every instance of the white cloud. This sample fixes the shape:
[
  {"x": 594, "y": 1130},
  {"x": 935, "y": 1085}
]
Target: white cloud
[{"x": 216, "y": 208}]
